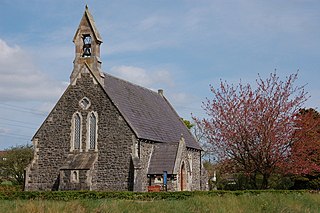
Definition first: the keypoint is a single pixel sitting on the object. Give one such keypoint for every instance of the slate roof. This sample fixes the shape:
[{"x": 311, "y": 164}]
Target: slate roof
[
  {"x": 163, "y": 158},
  {"x": 79, "y": 161},
  {"x": 148, "y": 113}
]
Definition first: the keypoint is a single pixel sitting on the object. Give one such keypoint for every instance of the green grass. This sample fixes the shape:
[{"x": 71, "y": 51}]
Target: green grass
[{"x": 263, "y": 202}]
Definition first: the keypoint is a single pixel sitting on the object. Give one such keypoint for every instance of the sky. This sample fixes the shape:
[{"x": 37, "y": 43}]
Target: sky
[{"x": 180, "y": 46}]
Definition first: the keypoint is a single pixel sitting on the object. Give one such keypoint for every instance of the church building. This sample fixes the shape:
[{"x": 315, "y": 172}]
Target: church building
[{"x": 108, "y": 134}]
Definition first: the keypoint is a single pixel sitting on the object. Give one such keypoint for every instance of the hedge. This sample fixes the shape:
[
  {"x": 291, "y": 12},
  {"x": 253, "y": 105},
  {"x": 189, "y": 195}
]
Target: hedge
[{"x": 73, "y": 195}]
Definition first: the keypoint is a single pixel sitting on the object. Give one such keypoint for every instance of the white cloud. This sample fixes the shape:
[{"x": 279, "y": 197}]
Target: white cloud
[
  {"x": 254, "y": 19},
  {"x": 246, "y": 21},
  {"x": 154, "y": 22},
  {"x": 4, "y": 131},
  {"x": 183, "y": 102},
  {"x": 21, "y": 80},
  {"x": 181, "y": 98},
  {"x": 143, "y": 77}
]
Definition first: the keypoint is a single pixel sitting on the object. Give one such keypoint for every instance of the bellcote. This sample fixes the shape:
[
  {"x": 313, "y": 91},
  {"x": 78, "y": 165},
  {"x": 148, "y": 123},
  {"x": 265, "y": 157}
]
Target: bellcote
[{"x": 87, "y": 42}]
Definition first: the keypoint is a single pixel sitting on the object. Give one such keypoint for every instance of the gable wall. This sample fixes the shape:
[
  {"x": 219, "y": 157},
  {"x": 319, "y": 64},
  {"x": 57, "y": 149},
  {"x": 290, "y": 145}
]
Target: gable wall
[
  {"x": 146, "y": 151},
  {"x": 112, "y": 170},
  {"x": 194, "y": 161},
  {"x": 191, "y": 159}
]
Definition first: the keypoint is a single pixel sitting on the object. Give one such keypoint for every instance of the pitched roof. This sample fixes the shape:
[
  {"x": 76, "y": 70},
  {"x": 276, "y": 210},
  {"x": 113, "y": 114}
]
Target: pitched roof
[
  {"x": 163, "y": 158},
  {"x": 79, "y": 161},
  {"x": 148, "y": 113},
  {"x": 87, "y": 15}
]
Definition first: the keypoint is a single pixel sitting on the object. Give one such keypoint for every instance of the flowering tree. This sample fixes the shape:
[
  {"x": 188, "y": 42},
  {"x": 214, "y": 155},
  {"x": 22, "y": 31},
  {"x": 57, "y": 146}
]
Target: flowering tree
[
  {"x": 304, "y": 158},
  {"x": 253, "y": 128}
]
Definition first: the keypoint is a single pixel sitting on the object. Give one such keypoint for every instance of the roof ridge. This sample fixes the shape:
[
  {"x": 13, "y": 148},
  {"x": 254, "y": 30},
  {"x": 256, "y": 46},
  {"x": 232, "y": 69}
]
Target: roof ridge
[
  {"x": 134, "y": 84},
  {"x": 92, "y": 25},
  {"x": 149, "y": 114}
]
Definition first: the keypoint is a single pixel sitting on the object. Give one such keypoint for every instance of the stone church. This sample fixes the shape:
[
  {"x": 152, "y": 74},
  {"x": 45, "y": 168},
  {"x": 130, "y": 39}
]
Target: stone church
[{"x": 105, "y": 133}]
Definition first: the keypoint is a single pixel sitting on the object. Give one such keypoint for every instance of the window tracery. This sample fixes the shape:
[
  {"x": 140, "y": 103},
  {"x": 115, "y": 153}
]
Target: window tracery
[
  {"x": 77, "y": 131},
  {"x": 92, "y": 131}
]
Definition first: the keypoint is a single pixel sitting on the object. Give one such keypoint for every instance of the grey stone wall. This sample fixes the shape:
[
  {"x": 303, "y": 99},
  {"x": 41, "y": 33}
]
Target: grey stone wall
[
  {"x": 191, "y": 158},
  {"x": 196, "y": 169},
  {"x": 113, "y": 170},
  {"x": 189, "y": 179},
  {"x": 67, "y": 184},
  {"x": 146, "y": 150},
  {"x": 182, "y": 159}
]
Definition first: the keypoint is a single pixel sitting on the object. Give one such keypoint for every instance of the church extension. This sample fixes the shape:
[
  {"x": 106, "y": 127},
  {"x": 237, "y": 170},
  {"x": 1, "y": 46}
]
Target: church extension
[{"x": 106, "y": 133}]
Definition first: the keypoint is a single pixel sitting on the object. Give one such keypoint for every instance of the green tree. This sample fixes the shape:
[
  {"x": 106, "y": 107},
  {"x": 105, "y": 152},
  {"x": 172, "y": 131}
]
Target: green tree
[
  {"x": 13, "y": 163},
  {"x": 188, "y": 124}
]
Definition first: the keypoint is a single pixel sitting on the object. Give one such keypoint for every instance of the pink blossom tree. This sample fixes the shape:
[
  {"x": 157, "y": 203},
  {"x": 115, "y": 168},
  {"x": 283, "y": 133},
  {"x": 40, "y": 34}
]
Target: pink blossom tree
[{"x": 253, "y": 127}]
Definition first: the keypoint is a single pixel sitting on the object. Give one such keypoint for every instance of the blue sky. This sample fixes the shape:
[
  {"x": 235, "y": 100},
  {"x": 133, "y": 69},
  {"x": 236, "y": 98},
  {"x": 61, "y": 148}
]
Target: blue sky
[{"x": 179, "y": 46}]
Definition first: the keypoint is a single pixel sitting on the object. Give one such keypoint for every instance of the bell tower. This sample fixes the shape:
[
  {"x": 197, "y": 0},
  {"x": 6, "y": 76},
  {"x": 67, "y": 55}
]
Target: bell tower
[{"x": 87, "y": 42}]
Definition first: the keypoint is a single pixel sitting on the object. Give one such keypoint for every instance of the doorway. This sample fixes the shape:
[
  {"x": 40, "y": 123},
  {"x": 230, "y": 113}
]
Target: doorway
[{"x": 183, "y": 178}]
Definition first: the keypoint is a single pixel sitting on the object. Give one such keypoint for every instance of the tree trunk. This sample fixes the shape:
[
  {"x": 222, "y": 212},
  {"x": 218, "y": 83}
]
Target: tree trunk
[
  {"x": 253, "y": 181},
  {"x": 265, "y": 181}
]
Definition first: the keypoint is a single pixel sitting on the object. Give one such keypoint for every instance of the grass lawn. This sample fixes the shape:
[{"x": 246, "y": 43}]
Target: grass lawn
[{"x": 264, "y": 202}]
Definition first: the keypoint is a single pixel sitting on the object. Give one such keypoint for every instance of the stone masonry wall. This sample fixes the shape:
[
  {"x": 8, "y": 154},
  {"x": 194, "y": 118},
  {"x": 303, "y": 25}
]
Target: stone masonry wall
[
  {"x": 196, "y": 169},
  {"x": 113, "y": 168},
  {"x": 81, "y": 184},
  {"x": 146, "y": 150},
  {"x": 191, "y": 158}
]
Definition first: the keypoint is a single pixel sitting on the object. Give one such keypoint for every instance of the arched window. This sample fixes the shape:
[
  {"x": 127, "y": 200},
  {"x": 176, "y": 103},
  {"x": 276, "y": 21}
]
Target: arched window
[
  {"x": 86, "y": 46},
  {"x": 92, "y": 137},
  {"x": 74, "y": 178},
  {"x": 76, "y": 132}
]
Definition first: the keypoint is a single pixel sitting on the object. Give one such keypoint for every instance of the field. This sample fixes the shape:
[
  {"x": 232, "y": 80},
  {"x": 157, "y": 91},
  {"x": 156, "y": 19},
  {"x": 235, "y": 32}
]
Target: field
[{"x": 263, "y": 202}]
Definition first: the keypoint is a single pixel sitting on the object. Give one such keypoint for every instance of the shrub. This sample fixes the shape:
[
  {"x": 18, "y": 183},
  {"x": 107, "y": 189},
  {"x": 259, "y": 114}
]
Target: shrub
[{"x": 74, "y": 195}]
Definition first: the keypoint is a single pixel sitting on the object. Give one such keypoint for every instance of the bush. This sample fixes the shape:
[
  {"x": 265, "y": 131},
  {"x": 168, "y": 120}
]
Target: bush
[
  {"x": 10, "y": 188},
  {"x": 310, "y": 182},
  {"x": 74, "y": 195}
]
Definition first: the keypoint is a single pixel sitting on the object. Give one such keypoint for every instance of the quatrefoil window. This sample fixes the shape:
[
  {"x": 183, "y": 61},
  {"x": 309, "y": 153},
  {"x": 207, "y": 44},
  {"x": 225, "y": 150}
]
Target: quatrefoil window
[{"x": 85, "y": 103}]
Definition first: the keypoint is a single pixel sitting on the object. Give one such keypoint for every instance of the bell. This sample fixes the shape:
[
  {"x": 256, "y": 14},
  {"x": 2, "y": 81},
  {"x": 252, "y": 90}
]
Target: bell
[{"x": 86, "y": 52}]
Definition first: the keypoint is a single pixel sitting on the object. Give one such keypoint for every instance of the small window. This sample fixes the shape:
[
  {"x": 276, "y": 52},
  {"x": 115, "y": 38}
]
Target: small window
[
  {"x": 84, "y": 103},
  {"x": 86, "y": 46},
  {"x": 136, "y": 148},
  {"x": 74, "y": 176}
]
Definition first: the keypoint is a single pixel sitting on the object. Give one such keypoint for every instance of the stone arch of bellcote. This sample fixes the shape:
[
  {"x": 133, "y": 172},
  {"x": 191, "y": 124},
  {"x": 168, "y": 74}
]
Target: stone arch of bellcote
[{"x": 87, "y": 41}]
